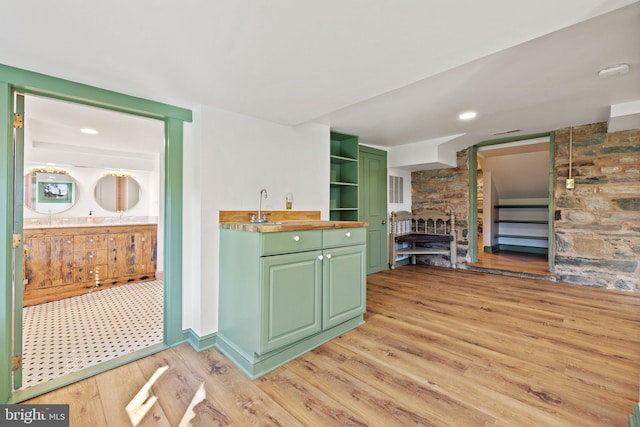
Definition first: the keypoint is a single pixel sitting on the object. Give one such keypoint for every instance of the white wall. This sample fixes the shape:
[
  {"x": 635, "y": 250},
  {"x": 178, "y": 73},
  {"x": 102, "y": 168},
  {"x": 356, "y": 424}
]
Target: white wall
[
  {"x": 406, "y": 204},
  {"x": 228, "y": 158}
]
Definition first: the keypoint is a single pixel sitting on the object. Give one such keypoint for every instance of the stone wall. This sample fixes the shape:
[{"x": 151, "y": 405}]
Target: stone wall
[
  {"x": 597, "y": 227},
  {"x": 444, "y": 190}
]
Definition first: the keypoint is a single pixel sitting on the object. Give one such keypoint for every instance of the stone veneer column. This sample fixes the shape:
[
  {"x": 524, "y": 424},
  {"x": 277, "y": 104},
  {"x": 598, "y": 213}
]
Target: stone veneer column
[
  {"x": 444, "y": 190},
  {"x": 597, "y": 227}
]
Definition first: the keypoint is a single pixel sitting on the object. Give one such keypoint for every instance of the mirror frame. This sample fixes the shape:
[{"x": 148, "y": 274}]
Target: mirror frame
[
  {"x": 123, "y": 196},
  {"x": 37, "y": 192}
]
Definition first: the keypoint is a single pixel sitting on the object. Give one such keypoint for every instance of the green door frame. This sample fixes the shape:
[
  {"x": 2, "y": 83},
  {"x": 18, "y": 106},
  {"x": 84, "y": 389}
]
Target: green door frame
[
  {"x": 14, "y": 79},
  {"x": 473, "y": 192}
]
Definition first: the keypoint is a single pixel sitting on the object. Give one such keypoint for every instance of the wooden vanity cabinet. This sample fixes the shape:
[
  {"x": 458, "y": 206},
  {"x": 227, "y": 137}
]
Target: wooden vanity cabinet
[
  {"x": 69, "y": 261},
  {"x": 48, "y": 260},
  {"x": 132, "y": 253}
]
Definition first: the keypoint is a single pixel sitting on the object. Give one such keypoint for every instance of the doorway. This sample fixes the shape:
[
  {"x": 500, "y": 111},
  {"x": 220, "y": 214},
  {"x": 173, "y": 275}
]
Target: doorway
[
  {"x": 17, "y": 80},
  {"x": 92, "y": 281},
  {"x": 514, "y": 197}
]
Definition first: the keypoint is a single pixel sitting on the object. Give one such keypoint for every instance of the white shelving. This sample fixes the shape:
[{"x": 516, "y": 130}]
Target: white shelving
[{"x": 522, "y": 225}]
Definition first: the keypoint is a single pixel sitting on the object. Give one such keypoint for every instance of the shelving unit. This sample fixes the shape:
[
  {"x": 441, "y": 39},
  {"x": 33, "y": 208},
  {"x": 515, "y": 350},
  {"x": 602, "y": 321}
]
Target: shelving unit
[
  {"x": 343, "y": 185},
  {"x": 522, "y": 227}
]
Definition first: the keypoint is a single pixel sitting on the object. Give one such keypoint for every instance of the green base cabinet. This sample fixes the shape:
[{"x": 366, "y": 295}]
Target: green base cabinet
[
  {"x": 291, "y": 297},
  {"x": 285, "y": 293}
]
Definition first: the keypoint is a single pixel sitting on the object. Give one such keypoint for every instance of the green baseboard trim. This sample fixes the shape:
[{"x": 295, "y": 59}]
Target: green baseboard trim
[
  {"x": 65, "y": 380},
  {"x": 404, "y": 261},
  {"x": 201, "y": 343},
  {"x": 526, "y": 249},
  {"x": 634, "y": 418},
  {"x": 491, "y": 249},
  {"x": 272, "y": 360}
]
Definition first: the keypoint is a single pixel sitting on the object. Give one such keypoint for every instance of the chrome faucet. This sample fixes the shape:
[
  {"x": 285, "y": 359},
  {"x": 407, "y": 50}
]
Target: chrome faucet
[{"x": 261, "y": 217}]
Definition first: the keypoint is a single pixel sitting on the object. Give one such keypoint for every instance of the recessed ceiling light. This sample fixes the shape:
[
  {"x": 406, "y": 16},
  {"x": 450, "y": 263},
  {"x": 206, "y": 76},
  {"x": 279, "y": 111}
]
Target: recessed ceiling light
[
  {"x": 468, "y": 115},
  {"x": 89, "y": 131}
]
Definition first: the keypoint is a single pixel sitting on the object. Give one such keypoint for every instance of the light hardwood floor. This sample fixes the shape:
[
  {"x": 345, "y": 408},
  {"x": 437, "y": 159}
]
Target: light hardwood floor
[{"x": 440, "y": 347}]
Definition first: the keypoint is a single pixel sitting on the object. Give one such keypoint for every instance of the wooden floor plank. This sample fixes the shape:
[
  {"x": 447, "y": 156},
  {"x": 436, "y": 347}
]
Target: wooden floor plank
[
  {"x": 83, "y": 398},
  {"x": 231, "y": 394},
  {"x": 372, "y": 405},
  {"x": 440, "y": 347},
  {"x": 122, "y": 393}
]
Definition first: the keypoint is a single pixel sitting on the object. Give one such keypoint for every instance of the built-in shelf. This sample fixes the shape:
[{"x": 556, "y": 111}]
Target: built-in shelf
[
  {"x": 343, "y": 181},
  {"x": 522, "y": 225},
  {"x": 522, "y": 236},
  {"x": 521, "y": 221},
  {"x": 535, "y": 206}
]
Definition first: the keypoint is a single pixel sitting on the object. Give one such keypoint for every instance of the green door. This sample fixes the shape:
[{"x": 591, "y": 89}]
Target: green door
[
  {"x": 344, "y": 284},
  {"x": 373, "y": 206},
  {"x": 291, "y": 300}
]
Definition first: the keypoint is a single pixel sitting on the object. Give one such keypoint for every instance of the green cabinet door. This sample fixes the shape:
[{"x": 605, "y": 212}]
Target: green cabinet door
[
  {"x": 344, "y": 284},
  {"x": 291, "y": 298}
]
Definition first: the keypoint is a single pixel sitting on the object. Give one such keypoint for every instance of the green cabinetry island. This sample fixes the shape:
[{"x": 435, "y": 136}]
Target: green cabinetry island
[{"x": 287, "y": 288}]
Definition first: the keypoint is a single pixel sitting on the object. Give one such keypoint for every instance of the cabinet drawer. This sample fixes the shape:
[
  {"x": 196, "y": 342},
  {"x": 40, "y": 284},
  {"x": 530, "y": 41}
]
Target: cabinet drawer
[
  {"x": 344, "y": 237},
  {"x": 291, "y": 241},
  {"x": 91, "y": 273},
  {"x": 89, "y": 242},
  {"x": 90, "y": 258}
]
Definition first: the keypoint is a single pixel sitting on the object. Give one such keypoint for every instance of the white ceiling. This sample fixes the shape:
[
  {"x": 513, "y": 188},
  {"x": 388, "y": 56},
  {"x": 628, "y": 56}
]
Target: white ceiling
[{"x": 392, "y": 72}]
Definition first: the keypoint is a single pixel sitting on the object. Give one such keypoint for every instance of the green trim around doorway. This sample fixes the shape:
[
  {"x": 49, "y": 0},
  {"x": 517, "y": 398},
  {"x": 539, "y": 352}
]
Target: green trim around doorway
[
  {"x": 551, "y": 238},
  {"x": 472, "y": 226},
  {"x": 473, "y": 193},
  {"x": 6, "y": 232},
  {"x": 14, "y": 79}
]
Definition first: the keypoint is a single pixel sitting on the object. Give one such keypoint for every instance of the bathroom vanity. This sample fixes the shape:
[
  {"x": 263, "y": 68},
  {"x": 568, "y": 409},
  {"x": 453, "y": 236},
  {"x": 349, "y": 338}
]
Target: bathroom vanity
[
  {"x": 61, "y": 262},
  {"x": 288, "y": 287}
]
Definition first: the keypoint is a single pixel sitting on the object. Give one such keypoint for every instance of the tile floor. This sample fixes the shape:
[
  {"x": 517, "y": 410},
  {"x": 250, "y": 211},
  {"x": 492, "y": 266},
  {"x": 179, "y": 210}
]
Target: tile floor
[{"x": 64, "y": 336}]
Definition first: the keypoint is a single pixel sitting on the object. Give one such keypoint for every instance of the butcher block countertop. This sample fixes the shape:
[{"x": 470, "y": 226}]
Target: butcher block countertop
[
  {"x": 271, "y": 227},
  {"x": 288, "y": 220}
]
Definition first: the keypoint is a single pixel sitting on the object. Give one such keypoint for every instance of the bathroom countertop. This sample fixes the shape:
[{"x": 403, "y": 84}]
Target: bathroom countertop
[
  {"x": 102, "y": 224},
  {"x": 276, "y": 226}
]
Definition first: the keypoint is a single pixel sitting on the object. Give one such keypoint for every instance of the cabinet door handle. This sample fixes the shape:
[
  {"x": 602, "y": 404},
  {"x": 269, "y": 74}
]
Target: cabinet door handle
[
  {"x": 328, "y": 256},
  {"x": 348, "y": 234},
  {"x": 296, "y": 238},
  {"x": 320, "y": 257}
]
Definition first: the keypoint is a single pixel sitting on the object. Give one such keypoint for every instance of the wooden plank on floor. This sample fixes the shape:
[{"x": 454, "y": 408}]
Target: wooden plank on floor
[
  {"x": 439, "y": 347},
  {"x": 83, "y": 398},
  {"x": 125, "y": 382},
  {"x": 380, "y": 403},
  {"x": 231, "y": 394}
]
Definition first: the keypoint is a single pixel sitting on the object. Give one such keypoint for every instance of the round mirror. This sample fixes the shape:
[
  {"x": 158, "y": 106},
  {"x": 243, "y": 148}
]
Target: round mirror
[
  {"x": 49, "y": 191},
  {"x": 117, "y": 193}
]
